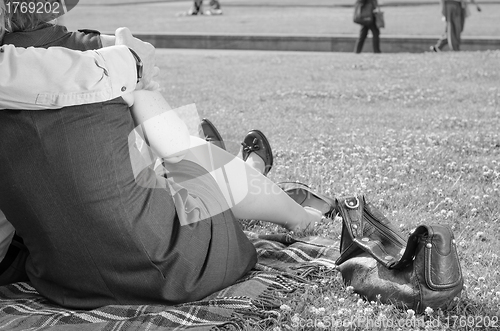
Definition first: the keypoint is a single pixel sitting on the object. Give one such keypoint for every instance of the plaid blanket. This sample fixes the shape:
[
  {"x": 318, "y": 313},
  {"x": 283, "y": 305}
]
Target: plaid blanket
[{"x": 285, "y": 264}]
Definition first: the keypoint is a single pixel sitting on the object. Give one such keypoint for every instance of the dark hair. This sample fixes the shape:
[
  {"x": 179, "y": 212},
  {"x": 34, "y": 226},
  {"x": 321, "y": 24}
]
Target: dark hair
[
  {"x": 2, "y": 19},
  {"x": 27, "y": 15}
]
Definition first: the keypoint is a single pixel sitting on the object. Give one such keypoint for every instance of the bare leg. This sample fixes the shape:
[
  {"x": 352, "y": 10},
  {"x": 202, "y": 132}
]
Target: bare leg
[
  {"x": 249, "y": 194},
  {"x": 255, "y": 162}
]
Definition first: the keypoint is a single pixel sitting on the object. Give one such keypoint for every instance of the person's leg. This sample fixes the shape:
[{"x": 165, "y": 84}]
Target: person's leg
[
  {"x": 361, "y": 39},
  {"x": 376, "y": 37},
  {"x": 197, "y": 7},
  {"x": 12, "y": 267},
  {"x": 454, "y": 24},
  {"x": 255, "y": 162},
  {"x": 463, "y": 15},
  {"x": 215, "y": 4},
  {"x": 442, "y": 41},
  {"x": 249, "y": 194}
]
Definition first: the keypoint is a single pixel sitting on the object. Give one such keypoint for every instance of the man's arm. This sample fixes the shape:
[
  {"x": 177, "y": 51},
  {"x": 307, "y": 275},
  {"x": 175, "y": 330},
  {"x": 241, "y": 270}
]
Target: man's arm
[
  {"x": 57, "y": 77},
  {"x": 36, "y": 78}
]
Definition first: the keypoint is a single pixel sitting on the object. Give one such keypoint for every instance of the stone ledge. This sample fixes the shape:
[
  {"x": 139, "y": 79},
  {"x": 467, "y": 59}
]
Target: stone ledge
[{"x": 310, "y": 43}]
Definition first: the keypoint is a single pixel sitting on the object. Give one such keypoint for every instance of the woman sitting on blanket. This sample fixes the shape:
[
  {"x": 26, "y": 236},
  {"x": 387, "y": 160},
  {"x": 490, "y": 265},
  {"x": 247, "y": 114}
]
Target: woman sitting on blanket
[{"x": 99, "y": 233}]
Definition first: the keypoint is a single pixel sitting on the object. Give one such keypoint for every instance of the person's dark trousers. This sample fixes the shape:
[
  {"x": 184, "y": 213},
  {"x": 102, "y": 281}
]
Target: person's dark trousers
[
  {"x": 197, "y": 7},
  {"x": 455, "y": 21},
  {"x": 12, "y": 267},
  {"x": 215, "y": 4},
  {"x": 363, "y": 33}
]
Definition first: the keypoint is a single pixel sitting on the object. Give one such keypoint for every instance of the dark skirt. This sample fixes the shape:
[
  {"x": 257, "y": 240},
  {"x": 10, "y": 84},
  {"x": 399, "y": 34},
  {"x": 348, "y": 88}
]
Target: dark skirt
[{"x": 96, "y": 237}]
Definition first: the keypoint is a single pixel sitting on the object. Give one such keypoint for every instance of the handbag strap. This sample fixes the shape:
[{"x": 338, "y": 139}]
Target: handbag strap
[{"x": 364, "y": 228}]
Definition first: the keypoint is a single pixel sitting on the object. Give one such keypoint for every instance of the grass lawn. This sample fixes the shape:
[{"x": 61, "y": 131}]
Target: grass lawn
[
  {"x": 249, "y": 18},
  {"x": 417, "y": 133}
]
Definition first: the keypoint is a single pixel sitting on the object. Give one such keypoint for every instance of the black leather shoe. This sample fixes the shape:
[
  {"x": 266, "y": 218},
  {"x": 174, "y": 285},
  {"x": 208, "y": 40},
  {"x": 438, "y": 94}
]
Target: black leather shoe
[
  {"x": 256, "y": 142},
  {"x": 211, "y": 134}
]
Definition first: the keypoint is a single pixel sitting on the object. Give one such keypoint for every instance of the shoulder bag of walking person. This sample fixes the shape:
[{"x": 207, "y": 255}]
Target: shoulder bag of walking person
[
  {"x": 376, "y": 260},
  {"x": 363, "y": 12}
]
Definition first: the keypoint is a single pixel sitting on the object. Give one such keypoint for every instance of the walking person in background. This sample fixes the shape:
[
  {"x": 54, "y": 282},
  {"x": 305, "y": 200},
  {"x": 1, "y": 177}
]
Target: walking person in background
[
  {"x": 364, "y": 15},
  {"x": 197, "y": 8},
  {"x": 454, "y": 13}
]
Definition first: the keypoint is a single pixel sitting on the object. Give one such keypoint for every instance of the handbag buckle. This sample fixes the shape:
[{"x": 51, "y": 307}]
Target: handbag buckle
[{"x": 352, "y": 203}]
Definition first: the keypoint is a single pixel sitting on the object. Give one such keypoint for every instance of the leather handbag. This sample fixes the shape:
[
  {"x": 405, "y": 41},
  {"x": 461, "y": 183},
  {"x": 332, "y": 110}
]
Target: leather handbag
[{"x": 375, "y": 259}]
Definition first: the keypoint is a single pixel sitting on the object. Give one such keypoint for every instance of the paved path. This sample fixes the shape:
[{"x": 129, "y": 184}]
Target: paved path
[
  {"x": 272, "y": 3},
  {"x": 315, "y": 25}
]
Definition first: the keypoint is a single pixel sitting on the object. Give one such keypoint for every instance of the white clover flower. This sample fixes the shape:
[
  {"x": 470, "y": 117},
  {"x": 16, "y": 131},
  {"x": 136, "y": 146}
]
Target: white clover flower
[
  {"x": 295, "y": 319},
  {"x": 341, "y": 300},
  {"x": 321, "y": 325},
  {"x": 349, "y": 289},
  {"x": 285, "y": 308},
  {"x": 429, "y": 311},
  {"x": 321, "y": 310},
  {"x": 382, "y": 316},
  {"x": 410, "y": 313}
]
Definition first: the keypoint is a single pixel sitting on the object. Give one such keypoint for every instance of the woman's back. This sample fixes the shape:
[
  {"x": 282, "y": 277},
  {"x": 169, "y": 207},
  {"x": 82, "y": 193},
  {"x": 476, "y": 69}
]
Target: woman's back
[
  {"x": 68, "y": 172},
  {"x": 95, "y": 236}
]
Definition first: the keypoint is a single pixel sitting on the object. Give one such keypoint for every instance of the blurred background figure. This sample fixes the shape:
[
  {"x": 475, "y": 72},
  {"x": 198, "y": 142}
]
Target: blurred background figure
[
  {"x": 454, "y": 13},
  {"x": 369, "y": 23},
  {"x": 197, "y": 9}
]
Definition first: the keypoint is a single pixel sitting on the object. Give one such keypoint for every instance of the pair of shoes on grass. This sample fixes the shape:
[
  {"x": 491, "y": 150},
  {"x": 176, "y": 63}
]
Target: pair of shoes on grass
[{"x": 254, "y": 142}]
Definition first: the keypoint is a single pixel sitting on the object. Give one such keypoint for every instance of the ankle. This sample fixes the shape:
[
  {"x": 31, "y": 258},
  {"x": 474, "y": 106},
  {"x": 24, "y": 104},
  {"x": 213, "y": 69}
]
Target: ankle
[
  {"x": 256, "y": 162},
  {"x": 307, "y": 221}
]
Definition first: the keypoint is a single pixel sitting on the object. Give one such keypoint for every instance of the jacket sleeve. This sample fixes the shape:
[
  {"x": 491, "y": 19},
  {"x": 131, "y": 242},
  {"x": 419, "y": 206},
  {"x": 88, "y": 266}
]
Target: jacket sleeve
[{"x": 37, "y": 78}]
